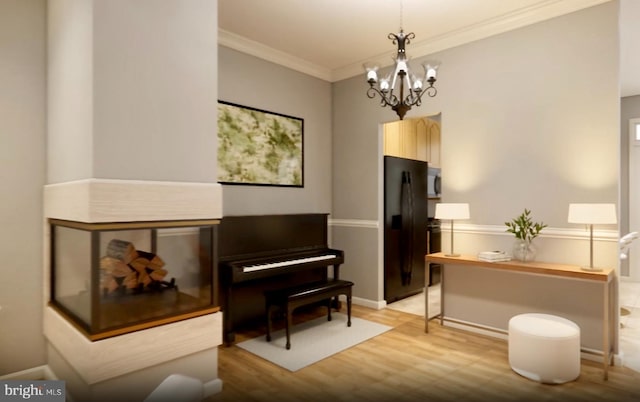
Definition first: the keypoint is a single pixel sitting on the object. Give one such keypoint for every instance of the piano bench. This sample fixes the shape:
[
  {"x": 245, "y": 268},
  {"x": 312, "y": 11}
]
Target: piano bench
[{"x": 289, "y": 299}]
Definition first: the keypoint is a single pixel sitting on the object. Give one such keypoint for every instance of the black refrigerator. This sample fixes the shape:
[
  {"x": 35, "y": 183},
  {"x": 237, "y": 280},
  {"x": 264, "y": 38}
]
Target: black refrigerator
[{"x": 405, "y": 226}]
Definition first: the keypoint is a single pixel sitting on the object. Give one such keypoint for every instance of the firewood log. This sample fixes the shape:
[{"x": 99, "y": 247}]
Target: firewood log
[
  {"x": 146, "y": 262},
  {"x": 131, "y": 280},
  {"x": 110, "y": 284},
  {"x": 122, "y": 250},
  {"x": 158, "y": 274},
  {"x": 114, "y": 266},
  {"x": 144, "y": 279}
]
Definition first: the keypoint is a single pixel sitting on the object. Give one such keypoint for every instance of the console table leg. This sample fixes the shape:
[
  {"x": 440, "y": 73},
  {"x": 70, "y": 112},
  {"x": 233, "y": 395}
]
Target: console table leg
[
  {"x": 606, "y": 345},
  {"x": 426, "y": 297},
  {"x": 442, "y": 269}
]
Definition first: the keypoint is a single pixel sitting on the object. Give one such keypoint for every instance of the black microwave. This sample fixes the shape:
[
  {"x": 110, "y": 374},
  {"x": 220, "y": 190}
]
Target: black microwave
[{"x": 433, "y": 183}]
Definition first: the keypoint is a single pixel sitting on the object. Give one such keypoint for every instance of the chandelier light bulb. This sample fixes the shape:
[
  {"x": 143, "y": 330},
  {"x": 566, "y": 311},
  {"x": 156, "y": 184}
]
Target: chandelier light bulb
[
  {"x": 431, "y": 70},
  {"x": 417, "y": 84},
  {"x": 384, "y": 85},
  {"x": 372, "y": 73}
]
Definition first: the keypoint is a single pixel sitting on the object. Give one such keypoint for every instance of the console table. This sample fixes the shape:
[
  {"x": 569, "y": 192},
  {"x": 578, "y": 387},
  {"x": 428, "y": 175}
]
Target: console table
[{"x": 492, "y": 292}]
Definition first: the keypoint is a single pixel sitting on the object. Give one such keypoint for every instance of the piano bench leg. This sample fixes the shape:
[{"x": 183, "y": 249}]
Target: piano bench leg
[
  {"x": 349, "y": 308},
  {"x": 268, "y": 323},
  {"x": 288, "y": 325},
  {"x": 229, "y": 338},
  {"x": 329, "y": 309}
]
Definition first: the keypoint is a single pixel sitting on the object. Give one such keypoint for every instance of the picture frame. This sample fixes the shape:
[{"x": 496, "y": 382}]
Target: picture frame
[{"x": 259, "y": 147}]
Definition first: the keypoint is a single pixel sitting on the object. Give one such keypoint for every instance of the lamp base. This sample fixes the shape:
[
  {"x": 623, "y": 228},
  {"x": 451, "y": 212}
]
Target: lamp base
[
  {"x": 452, "y": 255},
  {"x": 592, "y": 269}
]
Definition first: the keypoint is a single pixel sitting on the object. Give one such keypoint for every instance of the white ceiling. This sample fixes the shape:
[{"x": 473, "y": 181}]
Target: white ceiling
[{"x": 331, "y": 39}]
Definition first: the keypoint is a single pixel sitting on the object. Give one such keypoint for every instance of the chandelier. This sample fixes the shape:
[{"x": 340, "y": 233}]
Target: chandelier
[{"x": 400, "y": 80}]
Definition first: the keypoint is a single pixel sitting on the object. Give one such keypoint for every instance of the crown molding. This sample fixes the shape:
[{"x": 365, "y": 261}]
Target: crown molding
[
  {"x": 504, "y": 23},
  {"x": 539, "y": 12},
  {"x": 253, "y": 48}
]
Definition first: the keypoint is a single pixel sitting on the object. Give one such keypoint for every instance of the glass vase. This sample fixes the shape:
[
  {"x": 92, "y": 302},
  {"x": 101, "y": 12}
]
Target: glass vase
[{"x": 524, "y": 250}]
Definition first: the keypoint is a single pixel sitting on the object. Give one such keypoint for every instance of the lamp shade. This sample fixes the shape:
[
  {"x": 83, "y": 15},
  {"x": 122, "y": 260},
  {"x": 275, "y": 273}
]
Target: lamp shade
[
  {"x": 452, "y": 211},
  {"x": 592, "y": 213}
]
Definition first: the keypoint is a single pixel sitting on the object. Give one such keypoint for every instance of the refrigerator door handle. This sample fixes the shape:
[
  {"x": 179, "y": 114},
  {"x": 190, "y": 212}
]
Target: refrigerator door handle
[{"x": 406, "y": 236}]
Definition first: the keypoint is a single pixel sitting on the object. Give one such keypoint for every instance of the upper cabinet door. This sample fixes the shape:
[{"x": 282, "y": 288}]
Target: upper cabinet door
[
  {"x": 413, "y": 139},
  {"x": 433, "y": 130}
]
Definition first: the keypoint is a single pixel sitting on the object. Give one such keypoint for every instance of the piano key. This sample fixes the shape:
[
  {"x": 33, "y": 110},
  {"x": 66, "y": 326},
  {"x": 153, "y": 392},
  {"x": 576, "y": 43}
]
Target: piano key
[{"x": 251, "y": 268}]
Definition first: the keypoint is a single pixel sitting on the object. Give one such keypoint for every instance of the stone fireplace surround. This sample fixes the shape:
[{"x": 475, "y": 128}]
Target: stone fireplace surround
[{"x": 130, "y": 366}]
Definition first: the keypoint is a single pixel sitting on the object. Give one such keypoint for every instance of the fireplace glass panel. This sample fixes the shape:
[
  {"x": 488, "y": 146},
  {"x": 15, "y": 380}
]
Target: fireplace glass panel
[{"x": 111, "y": 278}]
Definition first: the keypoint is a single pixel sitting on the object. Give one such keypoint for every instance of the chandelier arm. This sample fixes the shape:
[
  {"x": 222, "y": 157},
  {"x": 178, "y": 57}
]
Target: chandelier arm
[
  {"x": 392, "y": 100},
  {"x": 431, "y": 91},
  {"x": 413, "y": 101},
  {"x": 408, "y": 38}
]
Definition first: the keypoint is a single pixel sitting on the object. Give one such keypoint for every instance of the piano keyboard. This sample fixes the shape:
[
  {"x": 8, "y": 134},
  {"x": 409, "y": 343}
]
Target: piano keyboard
[{"x": 252, "y": 268}]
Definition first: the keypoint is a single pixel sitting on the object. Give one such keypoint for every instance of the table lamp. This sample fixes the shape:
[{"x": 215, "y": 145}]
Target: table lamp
[
  {"x": 592, "y": 214},
  {"x": 452, "y": 211}
]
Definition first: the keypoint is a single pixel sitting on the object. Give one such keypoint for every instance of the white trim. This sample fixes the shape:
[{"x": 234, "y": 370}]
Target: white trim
[
  {"x": 354, "y": 223},
  {"x": 253, "y": 48},
  {"x": 475, "y": 328},
  {"x": 541, "y": 11},
  {"x": 183, "y": 231},
  {"x": 377, "y": 305},
  {"x": 557, "y": 233},
  {"x": 585, "y": 353},
  {"x": 494, "y": 230}
]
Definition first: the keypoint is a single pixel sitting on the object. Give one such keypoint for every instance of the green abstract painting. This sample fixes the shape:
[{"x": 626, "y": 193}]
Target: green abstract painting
[{"x": 259, "y": 147}]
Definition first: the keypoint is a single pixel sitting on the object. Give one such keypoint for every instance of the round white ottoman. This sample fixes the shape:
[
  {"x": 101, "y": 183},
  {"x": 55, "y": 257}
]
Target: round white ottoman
[{"x": 544, "y": 348}]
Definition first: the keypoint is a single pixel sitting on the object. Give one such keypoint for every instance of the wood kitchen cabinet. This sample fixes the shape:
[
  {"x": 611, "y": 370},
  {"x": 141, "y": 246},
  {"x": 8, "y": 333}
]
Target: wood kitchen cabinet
[{"x": 414, "y": 139}]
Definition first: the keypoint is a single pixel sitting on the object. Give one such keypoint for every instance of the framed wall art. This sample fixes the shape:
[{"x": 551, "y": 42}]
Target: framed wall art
[{"x": 257, "y": 147}]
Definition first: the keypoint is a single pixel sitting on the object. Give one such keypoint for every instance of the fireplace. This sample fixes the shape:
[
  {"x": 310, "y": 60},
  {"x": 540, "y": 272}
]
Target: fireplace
[
  {"x": 129, "y": 284},
  {"x": 113, "y": 278}
]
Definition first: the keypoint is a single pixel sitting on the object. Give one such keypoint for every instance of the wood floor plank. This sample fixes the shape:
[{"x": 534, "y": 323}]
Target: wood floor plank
[{"x": 405, "y": 364}]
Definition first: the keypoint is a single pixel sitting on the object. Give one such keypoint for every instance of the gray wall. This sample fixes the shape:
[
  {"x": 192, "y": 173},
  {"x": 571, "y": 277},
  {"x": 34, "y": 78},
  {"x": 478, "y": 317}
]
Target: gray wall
[
  {"x": 132, "y": 96},
  {"x": 530, "y": 119},
  {"x": 22, "y": 171},
  {"x": 250, "y": 81}
]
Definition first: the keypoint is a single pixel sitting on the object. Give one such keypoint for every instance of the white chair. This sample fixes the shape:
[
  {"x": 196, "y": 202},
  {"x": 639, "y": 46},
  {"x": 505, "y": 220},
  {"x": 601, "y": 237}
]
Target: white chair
[{"x": 544, "y": 348}]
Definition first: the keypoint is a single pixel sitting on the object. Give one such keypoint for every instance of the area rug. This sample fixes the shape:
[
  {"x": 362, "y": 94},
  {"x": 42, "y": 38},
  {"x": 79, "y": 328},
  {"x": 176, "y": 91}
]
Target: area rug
[{"x": 313, "y": 340}]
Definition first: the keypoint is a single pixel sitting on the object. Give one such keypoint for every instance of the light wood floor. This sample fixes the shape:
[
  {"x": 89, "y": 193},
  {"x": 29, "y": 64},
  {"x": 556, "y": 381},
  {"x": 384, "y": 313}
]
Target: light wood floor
[{"x": 405, "y": 364}]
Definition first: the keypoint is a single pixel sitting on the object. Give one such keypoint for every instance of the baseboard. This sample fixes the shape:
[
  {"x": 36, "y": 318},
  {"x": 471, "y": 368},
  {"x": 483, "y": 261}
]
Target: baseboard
[
  {"x": 585, "y": 353},
  {"x": 377, "y": 305},
  {"x": 475, "y": 328}
]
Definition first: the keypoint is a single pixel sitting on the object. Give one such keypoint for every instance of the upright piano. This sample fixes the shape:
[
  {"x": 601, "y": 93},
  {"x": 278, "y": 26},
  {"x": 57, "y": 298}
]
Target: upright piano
[{"x": 266, "y": 252}]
